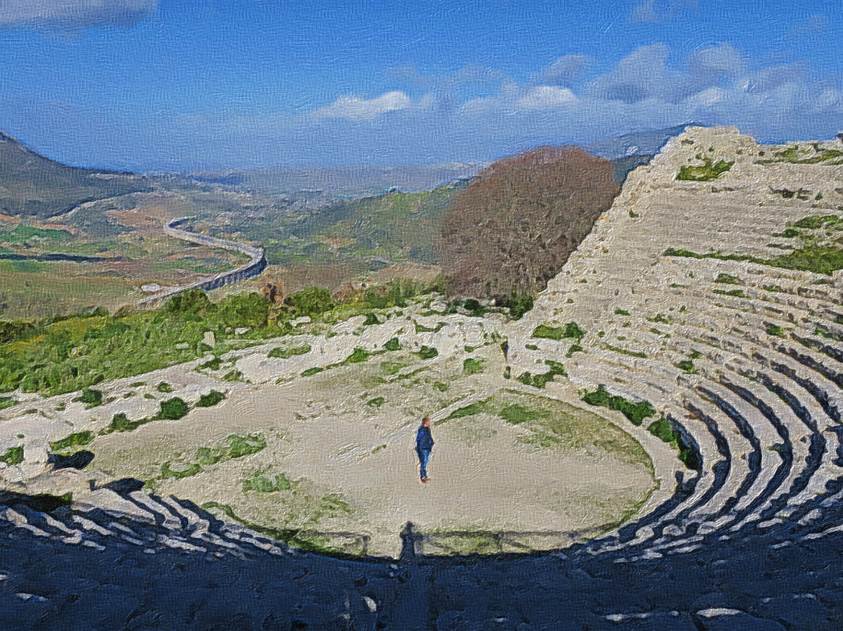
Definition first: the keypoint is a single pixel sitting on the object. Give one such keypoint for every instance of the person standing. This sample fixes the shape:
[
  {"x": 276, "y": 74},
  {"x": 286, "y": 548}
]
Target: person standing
[{"x": 424, "y": 445}]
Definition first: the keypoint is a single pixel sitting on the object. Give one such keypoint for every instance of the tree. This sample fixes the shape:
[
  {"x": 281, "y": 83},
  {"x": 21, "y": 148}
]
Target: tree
[{"x": 513, "y": 228}]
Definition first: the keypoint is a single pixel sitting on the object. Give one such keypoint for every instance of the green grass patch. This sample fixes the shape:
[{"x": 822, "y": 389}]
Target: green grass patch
[
  {"x": 727, "y": 279},
  {"x": 233, "y": 375},
  {"x": 392, "y": 345},
  {"x": 472, "y": 366},
  {"x": 815, "y": 222},
  {"x": 775, "y": 330},
  {"x": 686, "y": 365},
  {"x": 164, "y": 387},
  {"x": 570, "y": 331},
  {"x": 819, "y": 259},
  {"x": 121, "y": 423},
  {"x": 440, "y": 386},
  {"x": 625, "y": 351},
  {"x": 260, "y": 482},
  {"x": 635, "y": 411},
  {"x": 13, "y": 455},
  {"x": 77, "y": 439},
  {"x": 542, "y": 379},
  {"x": 734, "y": 293},
  {"x": 621, "y": 312},
  {"x": 376, "y": 403},
  {"x": 7, "y": 402},
  {"x": 178, "y": 471},
  {"x": 358, "y": 356},
  {"x": 210, "y": 399},
  {"x": 285, "y": 352},
  {"x": 517, "y": 413},
  {"x": 705, "y": 172},
  {"x": 312, "y": 371},
  {"x": 574, "y": 348},
  {"x": 427, "y": 352},
  {"x": 471, "y": 409}
]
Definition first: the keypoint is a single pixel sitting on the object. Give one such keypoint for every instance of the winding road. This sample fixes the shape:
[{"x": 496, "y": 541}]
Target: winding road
[{"x": 255, "y": 265}]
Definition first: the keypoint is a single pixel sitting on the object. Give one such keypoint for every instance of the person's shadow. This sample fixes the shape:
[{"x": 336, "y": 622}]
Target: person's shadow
[{"x": 408, "y": 543}]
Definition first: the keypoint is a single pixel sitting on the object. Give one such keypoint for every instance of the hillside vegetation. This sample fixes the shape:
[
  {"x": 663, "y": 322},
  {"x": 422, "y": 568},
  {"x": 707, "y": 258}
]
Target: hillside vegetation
[
  {"x": 33, "y": 185},
  {"x": 393, "y": 227},
  {"x": 514, "y": 227}
]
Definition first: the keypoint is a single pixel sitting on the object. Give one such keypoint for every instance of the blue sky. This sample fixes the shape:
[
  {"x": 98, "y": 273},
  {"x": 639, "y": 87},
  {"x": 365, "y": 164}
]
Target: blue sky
[{"x": 211, "y": 84}]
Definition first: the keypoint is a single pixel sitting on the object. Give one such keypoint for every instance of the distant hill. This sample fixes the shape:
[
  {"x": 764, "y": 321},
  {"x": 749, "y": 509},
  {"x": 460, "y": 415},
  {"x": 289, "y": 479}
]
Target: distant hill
[
  {"x": 639, "y": 143},
  {"x": 328, "y": 183},
  {"x": 515, "y": 225},
  {"x": 32, "y": 185}
]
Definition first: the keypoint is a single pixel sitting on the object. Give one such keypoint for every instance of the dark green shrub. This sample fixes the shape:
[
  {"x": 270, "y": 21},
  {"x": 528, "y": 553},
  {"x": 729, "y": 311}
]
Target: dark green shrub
[
  {"x": 518, "y": 305},
  {"x": 210, "y": 399},
  {"x": 90, "y": 397},
  {"x": 311, "y": 301},
  {"x": 636, "y": 412},
  {"x": 392, "y": 345},
  {"x": 173, "y": 409},
  {"x": 164, "y": 387}
]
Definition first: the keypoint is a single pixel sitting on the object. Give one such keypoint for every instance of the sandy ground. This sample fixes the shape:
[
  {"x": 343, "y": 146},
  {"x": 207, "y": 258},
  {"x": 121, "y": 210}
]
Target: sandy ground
[{"x": 324, "y": 435}]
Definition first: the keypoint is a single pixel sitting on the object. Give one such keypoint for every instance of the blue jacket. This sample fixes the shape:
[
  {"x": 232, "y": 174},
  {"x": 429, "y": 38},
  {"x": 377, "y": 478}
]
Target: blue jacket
[{"x": 424, "y": 440}]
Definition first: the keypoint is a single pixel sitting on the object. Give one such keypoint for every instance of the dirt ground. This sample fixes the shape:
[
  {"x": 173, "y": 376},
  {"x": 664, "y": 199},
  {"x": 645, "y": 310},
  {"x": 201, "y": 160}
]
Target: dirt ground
[{"x": 339, "y": 457}]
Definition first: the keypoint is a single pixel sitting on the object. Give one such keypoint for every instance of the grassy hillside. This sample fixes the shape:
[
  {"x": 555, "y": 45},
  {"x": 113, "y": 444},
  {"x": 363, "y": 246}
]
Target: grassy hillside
[
  {"x": 394, "y": 227},
  {"x": 33, "y": 185}
]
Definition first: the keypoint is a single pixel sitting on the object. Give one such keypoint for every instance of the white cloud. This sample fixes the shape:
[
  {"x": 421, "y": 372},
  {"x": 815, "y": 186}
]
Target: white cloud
[
  {"x": 722, "y": 60},
  {"x": 566, "y": 69},
  {"x": 546, "y": 96},
  {"x": 74, "y": 13},
  {"x": 643, "y": 74},
  {"x": 354, "y": 108}
]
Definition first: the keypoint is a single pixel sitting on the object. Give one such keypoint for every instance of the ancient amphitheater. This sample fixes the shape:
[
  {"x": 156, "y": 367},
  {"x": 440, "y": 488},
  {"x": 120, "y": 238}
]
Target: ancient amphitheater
[{"x": 691, "y": 294}]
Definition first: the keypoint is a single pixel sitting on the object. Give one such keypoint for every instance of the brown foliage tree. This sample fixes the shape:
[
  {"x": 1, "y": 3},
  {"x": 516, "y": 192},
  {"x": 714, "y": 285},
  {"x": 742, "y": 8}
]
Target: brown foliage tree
[{"x": 514, "y": 227}]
